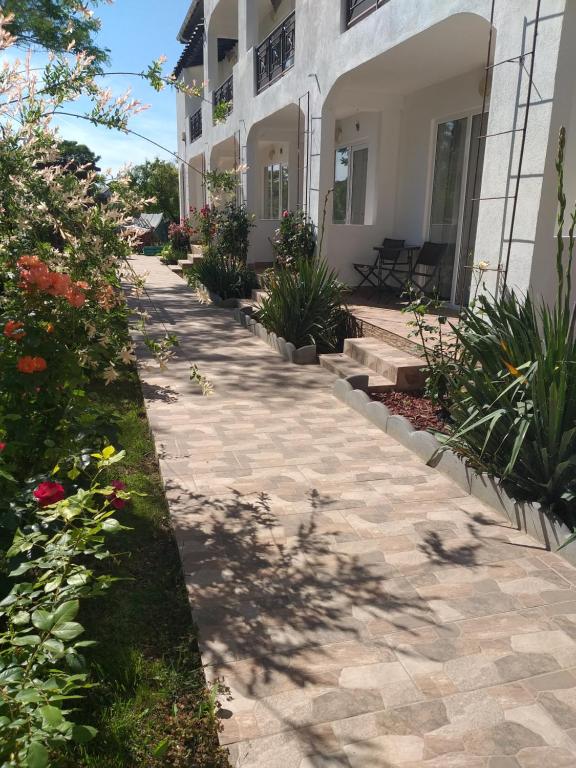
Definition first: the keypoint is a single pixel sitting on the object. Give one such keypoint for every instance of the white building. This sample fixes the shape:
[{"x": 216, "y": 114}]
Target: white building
[{"x": 381, "y": 101}]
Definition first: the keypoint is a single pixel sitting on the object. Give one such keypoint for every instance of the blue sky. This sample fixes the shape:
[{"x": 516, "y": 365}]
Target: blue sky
[{"x": 136, "y": 32}]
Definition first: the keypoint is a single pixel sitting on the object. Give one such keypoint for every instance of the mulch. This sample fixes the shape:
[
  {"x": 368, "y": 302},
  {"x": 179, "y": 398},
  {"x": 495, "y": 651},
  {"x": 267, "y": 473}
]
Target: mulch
[{"x": 419, "y": 410}]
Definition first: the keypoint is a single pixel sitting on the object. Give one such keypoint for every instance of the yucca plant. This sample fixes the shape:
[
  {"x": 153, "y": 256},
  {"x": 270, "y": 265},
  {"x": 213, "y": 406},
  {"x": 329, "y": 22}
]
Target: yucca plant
[
  {"x": 304, "y": 304},
  {"x": 514, "y": 395},
  {"x": 228, "y": 276}
]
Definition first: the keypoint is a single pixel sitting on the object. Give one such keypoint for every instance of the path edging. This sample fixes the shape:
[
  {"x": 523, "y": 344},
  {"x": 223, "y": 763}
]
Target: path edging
[
  {"x": 530, "y": 517},
  {"x": 302, "y": 356}
]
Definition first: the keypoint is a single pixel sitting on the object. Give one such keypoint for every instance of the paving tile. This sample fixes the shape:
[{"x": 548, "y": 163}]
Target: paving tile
[{"x": 362, "y": 608}]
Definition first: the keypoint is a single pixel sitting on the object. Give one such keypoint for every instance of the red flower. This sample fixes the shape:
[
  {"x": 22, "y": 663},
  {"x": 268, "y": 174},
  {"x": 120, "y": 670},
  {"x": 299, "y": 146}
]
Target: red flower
[
  {"x": 29, "y": 364},
  {"x": 13, "y": 330},
  {"x": 114, "y": 500},
  {"x": 2, "y": 446},
  {"x": 49, "y": 493},
  {"x": 285, "y": 214}
]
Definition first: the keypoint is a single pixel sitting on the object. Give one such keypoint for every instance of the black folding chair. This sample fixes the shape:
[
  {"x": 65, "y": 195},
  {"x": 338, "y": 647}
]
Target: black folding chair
[
  {"x": 388, "y": 254},
  {"x": 426, "y": 272}
]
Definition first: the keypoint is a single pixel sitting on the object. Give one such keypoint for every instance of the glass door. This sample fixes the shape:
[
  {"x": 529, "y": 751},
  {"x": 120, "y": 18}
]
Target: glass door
[
  {"x": 453, "y": 211},
  {"x": 449, "y": 161}
]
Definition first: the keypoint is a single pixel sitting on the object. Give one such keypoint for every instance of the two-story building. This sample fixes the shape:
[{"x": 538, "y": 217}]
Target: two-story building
[{"x": 416, "y": 119}]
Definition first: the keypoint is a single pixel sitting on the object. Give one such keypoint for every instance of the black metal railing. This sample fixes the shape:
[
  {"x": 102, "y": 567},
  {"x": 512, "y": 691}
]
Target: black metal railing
[
  {"x": 196, "y": 125},
  {"x": 276, "y": 54},
  {"x": 222, "y": 100},
  {"x": 357, "y": 9}
]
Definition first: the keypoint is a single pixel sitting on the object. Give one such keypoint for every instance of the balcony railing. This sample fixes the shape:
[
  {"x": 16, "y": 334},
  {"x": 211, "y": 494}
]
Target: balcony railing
[
  {"x": 357, "y": 9},
  {"x": 222, "y": 100},
  {"x": 195, "y": 125},
  {"x": 276, "y": 54}
]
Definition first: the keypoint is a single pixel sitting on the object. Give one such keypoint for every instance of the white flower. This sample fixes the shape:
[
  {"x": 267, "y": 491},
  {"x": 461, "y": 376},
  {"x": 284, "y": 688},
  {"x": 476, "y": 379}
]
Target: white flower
[{"x": 483, "y": 265}]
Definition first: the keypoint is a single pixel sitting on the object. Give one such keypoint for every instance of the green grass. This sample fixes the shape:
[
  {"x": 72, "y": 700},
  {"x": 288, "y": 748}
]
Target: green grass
[{"x": 150, "y": 702}]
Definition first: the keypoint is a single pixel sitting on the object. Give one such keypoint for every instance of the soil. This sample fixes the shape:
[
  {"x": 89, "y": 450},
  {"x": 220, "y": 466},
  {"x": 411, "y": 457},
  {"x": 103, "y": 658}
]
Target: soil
[{"x": 419, "y": 410}]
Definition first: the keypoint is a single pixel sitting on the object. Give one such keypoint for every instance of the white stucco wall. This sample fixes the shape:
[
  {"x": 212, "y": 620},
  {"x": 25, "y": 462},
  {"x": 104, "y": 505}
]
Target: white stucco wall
[{"x": 422, "y": 61}]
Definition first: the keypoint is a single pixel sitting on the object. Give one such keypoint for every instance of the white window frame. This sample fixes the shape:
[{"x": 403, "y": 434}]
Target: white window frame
[
  {"x": 283, "y": 205},
  {"x": 351, "y": 149}
]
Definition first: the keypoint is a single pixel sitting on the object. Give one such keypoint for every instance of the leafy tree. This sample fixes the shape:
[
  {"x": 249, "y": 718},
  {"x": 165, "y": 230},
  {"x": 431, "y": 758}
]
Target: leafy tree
[
  {"x": 159, "y": 179},
  {"x": 76, "y": 155},
  {"x": 56, "y": 25}
]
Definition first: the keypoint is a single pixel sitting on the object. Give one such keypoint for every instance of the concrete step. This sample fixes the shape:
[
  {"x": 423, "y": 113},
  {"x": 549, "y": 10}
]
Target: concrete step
[
  {"x": 343, "y": 366},
  {"x": 258, "y": 294},
  {"x": 177, "y": 269},
  {"x": 185, "y": 262},
  {"x": 404, "y": 369},
  {"x": 194, "y": 256},
  {"x": 196, "y": 250}
]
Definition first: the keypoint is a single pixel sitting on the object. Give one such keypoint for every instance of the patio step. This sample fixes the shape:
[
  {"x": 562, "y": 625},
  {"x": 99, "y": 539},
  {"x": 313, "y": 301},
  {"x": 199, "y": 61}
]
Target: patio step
[
  {"x": 404, "y": 369},
  {"x": 194, "y": 256},
  {"x": 177, "y": 269},
  {"x": 185, "y": 263},
  {"x": 258, "y": 294},
  {"x": 343, "y": 366}
]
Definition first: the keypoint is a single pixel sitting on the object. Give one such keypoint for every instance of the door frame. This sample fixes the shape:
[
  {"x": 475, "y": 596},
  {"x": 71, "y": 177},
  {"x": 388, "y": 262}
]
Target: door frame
[{"x": 467, "y": 114}]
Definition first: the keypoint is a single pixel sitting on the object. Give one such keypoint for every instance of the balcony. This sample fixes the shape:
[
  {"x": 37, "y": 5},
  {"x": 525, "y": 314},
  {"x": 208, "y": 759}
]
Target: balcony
[
  {"x": 222, "y": 100},
  {"x": 195, "y": 125},
  {"x": 357, "y": 9},
  {"x": 276, "y": 54}
]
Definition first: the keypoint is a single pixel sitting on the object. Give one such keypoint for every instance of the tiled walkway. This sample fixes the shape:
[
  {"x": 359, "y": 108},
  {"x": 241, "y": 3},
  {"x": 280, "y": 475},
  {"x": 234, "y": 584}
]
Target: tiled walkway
[{"x": 364, "y": 612}]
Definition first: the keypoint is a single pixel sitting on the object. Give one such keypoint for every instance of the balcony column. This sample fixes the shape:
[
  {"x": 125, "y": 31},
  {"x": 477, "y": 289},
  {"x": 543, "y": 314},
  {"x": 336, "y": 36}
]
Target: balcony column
[{"x": 247, "y": 25}]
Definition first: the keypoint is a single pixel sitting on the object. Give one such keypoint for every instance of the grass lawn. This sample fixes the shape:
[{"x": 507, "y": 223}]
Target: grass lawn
[{"x": 150, "y": 703}]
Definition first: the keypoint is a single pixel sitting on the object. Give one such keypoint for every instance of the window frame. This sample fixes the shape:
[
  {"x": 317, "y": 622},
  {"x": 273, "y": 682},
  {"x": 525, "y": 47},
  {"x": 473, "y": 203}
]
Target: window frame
[{"x": 351, "y": 149}]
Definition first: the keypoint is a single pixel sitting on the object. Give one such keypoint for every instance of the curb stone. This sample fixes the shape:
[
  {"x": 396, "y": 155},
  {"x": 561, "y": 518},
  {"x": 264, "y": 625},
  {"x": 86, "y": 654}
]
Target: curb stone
[
  {"x": 530, "y": 517},
  {"x": 307, "y": 355}
]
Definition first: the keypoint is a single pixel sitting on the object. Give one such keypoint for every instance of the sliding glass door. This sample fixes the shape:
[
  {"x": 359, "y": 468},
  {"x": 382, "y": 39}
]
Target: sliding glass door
[{"x": 453, "y": 214}]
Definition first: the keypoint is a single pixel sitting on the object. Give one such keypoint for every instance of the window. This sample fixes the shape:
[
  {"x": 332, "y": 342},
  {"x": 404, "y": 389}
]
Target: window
[
  {"x": 275, "y": 191},
  {"x": 350, "y": 176}
]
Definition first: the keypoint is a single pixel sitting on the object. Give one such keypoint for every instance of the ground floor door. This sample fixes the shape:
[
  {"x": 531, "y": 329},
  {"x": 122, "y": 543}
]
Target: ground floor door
[{"x": 458, "y": 161}]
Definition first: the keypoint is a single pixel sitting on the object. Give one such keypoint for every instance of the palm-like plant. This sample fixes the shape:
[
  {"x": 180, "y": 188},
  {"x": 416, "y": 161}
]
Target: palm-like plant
[
  {"x": 514, "y": 393},
  {"x": 304, "y": 304}
]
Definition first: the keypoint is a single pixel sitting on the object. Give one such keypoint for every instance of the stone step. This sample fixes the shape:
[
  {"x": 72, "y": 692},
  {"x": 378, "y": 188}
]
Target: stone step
[
  {"x": 196, "y": 250},
  {"x": 404, "y": 369},
  {"x": 194, "y": 256},
  {"x": 258, "y": 294},
  {"x": 343, "y": 366},
  {"x": 176, "y": 268},
  {"x": 185, "y": 262}
]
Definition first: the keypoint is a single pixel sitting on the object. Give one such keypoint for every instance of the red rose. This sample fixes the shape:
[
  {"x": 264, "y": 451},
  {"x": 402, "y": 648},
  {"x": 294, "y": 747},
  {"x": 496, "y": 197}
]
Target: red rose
[
  {"x": 49, "y": 493},
  {"x": 2, "y": 446},
  {"x": 114, "y": 500}
]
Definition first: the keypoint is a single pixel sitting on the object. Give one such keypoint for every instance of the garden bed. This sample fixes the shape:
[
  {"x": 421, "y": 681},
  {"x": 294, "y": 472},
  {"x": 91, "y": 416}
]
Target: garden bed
[{"x": 419, "y": 410}]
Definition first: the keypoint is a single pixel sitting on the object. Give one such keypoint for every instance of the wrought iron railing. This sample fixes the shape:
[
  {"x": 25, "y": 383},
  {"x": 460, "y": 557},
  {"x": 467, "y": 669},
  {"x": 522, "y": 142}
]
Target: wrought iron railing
[
  {"x": 276, "y": 54},
  {"x": 357, "y": 9},
  {"x": 222, "y": 100},
  {"x": 196, "y": 125}
]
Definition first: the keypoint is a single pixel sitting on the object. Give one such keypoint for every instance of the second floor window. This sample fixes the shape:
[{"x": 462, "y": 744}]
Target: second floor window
[
  {"x": 275, "y": 190},
  {"x": 350, "y": 176}
]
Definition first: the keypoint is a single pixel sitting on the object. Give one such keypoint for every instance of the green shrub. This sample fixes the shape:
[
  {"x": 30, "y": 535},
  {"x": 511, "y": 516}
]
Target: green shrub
[
  {"x": 295, "y": 239},
  {"x": 170, "y": 255},
  {"x": 232, "y": 231},
  {"x": 513, "y": 397},
  {"x": 228, "y": 276},
  {"x": 304, "y": 305}
]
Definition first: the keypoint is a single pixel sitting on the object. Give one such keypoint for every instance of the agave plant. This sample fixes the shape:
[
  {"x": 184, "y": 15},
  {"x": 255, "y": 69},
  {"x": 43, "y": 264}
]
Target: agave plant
[
  {"x": 514, "y": 395},
  {"x": 304, "y": 305}
]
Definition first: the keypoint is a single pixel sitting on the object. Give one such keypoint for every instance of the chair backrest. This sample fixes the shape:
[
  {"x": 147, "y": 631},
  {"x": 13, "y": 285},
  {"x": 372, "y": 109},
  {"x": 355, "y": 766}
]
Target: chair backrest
[
  {"x": 390, "y": 244},
  {"x": 431, "y": 254}
]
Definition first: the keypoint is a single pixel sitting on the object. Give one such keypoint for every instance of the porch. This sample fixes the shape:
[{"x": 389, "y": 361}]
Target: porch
[{"x": 385, "y": 318}]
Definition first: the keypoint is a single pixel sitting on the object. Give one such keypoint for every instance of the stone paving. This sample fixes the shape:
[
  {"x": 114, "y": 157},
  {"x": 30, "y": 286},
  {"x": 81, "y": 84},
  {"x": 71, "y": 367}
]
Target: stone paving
[{"x": 363, "y": 610}]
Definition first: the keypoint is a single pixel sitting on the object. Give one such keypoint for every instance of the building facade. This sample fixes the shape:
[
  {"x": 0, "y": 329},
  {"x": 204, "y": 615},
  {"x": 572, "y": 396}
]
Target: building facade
[{"x": 416, "y": 119}]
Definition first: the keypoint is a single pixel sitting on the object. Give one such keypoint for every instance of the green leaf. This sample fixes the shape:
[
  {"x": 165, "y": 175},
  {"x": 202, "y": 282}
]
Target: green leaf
[
  {"x": 73, "y": 473},
  {"x": 161, "y": 748},
  {"x": 111, "y": 525},
  {"x": 43, "y": 620},
  {"x": 82, "y": 734},
  {"x": 67, "y": 630},
  {"x": 28, "y": 696},
  {"x": 52, "y": 716},
  {"x": 108, "y": 452},
  {"x": 67, "y": 611},
  {"x": 26, "y": 640},
  {"x": 38, "y": 756},
  {"x": 54, "y": 646}
]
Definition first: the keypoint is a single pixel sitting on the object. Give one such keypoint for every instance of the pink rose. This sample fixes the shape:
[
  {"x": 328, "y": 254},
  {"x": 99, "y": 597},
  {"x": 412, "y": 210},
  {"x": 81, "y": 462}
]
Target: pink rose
[{"x": 114, "y": 500}]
